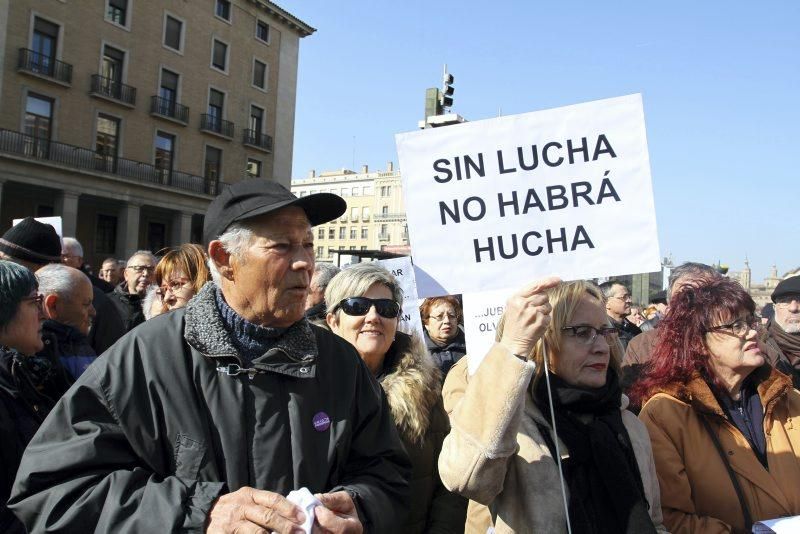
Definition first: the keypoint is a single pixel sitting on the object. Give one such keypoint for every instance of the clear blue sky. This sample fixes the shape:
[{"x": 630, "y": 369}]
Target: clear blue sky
[{"x": 720, "y": 83}]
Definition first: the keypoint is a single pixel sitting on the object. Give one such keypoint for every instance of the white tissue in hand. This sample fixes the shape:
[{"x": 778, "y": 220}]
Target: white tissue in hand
[{"x": 305, "y": 500}]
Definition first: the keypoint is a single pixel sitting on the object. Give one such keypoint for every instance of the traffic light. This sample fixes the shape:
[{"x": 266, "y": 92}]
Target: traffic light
[{"x": 447, "y": 90}]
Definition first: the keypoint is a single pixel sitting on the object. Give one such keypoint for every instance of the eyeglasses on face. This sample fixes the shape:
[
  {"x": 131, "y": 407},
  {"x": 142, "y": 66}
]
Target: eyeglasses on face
[
  {"x": 585, "y": 334},
  {"x": 739, "y": 327},
  {"x": 38, "y": 299},
  {"x": 139, "y": 269},
  {"x": 174, "y": 285},
  {"x": 358, "y": 306},
  {"x": 785, "y": 301},
  {"x": 441, "y": 318}
]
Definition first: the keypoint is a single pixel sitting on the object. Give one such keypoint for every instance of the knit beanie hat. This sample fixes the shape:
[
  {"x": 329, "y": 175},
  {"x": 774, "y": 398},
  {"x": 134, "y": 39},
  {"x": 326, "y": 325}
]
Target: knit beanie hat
[{"x": 32, "y": 241}]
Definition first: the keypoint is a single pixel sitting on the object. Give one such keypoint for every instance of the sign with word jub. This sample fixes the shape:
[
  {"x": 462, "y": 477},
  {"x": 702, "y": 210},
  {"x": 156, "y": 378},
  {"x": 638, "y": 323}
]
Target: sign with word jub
[{"x": 497, "y": 203}]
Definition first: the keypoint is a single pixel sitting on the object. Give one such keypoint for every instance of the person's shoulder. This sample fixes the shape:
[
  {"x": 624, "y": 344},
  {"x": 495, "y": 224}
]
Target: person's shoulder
[
  {"x": 665, "y": 405},
  {"x": 332, "y": 345}
]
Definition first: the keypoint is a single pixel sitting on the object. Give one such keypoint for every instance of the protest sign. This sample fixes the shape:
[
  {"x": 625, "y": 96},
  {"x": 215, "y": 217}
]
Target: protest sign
[
  {"x": 403, "y": 271},
  {"x": 482, "y": 312},
  {"x": 496, "y": 203}
]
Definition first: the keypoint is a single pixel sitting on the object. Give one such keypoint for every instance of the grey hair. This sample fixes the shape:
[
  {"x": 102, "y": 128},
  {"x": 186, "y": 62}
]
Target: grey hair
[
  {"x": 607, "y": 288},
  {"x": 234, "y": 240},
  {"x": 58, "y": 279},
  {"x": 16, "y": 283},
  {"x": 73, "y": 245},
  {"x": 147, "y": 301},
  {"x": 115, "y": 261},
  {"x": 689, "y": 269},
  {"x": 147, "y": 253},
  {"x": 356, "y": 280},
  {"x": 323, "y": 274}
]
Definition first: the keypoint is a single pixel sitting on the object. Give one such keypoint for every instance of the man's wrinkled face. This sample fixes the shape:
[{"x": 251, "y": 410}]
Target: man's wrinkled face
[
  {"x": 618, "y": 304},
  {"x": 271, "y": 278},
  {"x": 139, "y": 274},
  {"x": 75, "y": 308},
  {"x": 110, "y": 272},
  {"x": 70, "y": 258},
  {"x": 787, "y": 313}
]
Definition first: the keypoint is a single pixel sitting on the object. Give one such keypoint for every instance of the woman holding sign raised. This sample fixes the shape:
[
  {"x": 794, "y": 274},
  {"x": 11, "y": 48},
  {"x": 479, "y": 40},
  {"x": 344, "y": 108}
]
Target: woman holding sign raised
[
  {"x": 725, "y": 426},
  {"x": 364, "y": 304},
  {"x": 549, "y": 389}
]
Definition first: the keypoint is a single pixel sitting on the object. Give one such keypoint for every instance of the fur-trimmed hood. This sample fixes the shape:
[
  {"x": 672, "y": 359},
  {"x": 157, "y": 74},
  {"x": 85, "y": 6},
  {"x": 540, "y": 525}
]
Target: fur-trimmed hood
[{"x": 411, "y": 382}]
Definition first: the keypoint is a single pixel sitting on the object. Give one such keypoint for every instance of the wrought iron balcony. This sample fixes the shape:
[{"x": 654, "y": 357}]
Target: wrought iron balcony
[
  {"x": 113, "y": 89},
  {"x": 257, "y": 140},
  {"x": 214, "y": 124},
  {"x": 33, "y": 62},
  {"x": 170, "y": 109},
  {"x": 47, "y": 151}
]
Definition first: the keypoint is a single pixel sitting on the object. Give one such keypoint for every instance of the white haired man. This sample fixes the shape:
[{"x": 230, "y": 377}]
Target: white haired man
[
  {"x": 315, "y": 302},
  {"x": 204, "y": 419},
  {"x": 139, "y": 274},
  {"x": 784, "y": 327}
]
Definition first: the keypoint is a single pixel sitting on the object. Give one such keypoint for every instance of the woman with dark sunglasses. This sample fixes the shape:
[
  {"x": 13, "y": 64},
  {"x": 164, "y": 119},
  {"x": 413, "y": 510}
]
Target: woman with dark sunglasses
[
  {"x": 364, "y": 304},
  {"x": 549, "y": 388},
  {"x": 725, "y": 426}
]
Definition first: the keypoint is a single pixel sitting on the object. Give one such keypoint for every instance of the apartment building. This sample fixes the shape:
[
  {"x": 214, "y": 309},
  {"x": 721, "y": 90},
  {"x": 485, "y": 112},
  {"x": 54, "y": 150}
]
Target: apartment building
[
  {"x": 375, "y": 218},
  {"x": 127, "y": 117}
]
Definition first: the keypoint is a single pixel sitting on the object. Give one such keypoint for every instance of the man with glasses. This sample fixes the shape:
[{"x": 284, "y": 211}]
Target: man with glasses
[
  {"x": 205, "y": 418},
  {"x": 784, "y": 327},
  {"x": 618, "y": 307},
  {"x": 127, "y": 296}
]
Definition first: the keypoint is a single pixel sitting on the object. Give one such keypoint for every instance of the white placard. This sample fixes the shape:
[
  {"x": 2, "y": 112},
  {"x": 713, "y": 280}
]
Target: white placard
[
  {"x": 403, "y": 271},
  {"x": 482, "y": 312},
  {"x": 55, "y": 222},
  {"x": 497, "y": 203}
]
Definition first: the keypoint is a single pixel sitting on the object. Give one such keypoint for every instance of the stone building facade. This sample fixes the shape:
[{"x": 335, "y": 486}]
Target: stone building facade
[
  {"x": 127, "y": 117},
  {"x": 375, "y": 218}
]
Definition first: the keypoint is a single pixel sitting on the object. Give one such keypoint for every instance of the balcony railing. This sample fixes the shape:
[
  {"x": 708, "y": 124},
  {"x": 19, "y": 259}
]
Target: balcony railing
[
  {"x": 109, "y": 88},
  {"x": 257, "y": 139},
  {"x": 214, "y": 124},
  {"x": 169, "y": 108},
  {"x": 388, "y": 216},
  {"x": 383, "y": 237},
  {"x": 76, "y": 157},
  {"x": 42, "y": 65}
]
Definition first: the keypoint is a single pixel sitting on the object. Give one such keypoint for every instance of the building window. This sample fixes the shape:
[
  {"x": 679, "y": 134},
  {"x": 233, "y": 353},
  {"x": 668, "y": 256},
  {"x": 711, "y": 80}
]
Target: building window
[
  {"x": 216, "y": 107},
  {"x": 38, "y": 125},
  {"x": 260, "y": 74},
  {"x": 386, "y": 190},
  {"x": 342, "y": 232},
  {"x": 364, "y": 232},
  {"x": 107, "y": 142},
  {"x": 355, "y": 191},
  {"x": 367, "y": 190},
  {"x": 117, "y": 12},
  {"x": 253, "y": 168},
  {"x": 219, "y": 55},
  {"x": 223, "y": 10},
  {"x": 365, "y": 213},
  {"x": 256, "y": 119},
  {"x": 165, "y": 152},
  {"x": 262, "y": 31},
  {"x": 385, "y": 210},
  {"x": 330, "y": 252},
  {"x": 105, "y": 240},
  {"x": 168, "y": 91},
  {"x": 353, "y": 232},
  {"x": 331, "y": 233},
  {"x": 173, "y": 33},
  {"x": 44, "y": 44},
  {"x": 111, "y": 69},
  {"x": 385, "y": 230},
  {"x": 321, "y": 233},
  {"x": 320, "y": 251},
  {"x": 363, "y": 247},
  {"x": 353, "y": 214},
  {"x": 345, "y": 192},
  {"x": 213, "y": 164}
]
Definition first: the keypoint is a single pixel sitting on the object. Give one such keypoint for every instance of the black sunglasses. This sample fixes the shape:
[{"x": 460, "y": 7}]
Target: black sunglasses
[{"x": 358, "y": 306}]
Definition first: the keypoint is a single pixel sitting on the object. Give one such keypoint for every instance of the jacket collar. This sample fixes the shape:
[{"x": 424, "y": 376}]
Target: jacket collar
[
  {"x": 61, "y": 331},
  {"x": 294, "y": 353},
  {"x": 122, "y": 290},
  {"x": 772, "y": 385},
  {"x": 457, "y": 343}
]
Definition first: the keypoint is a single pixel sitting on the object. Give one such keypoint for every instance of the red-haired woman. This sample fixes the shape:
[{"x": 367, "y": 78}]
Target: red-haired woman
[
  {"x": 725, "y": 427},
  {"x": 444, "y": 338}
]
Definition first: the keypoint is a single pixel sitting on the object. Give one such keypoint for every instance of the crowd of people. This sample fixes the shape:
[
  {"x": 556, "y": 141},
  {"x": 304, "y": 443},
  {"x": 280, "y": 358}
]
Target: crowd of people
[{"x": 196, "y": 388}]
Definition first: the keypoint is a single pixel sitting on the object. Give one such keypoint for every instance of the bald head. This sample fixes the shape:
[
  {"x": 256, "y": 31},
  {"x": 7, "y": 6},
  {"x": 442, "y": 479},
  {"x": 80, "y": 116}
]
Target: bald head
[{"x": 67, "y": 295}]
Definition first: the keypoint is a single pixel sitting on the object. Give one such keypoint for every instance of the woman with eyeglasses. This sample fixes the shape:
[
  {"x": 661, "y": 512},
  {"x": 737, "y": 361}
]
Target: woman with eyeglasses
[
  {"x": 725, "y": 426},
  {"x": 364, "y": 305},
  {"x": 444, "y": 338},
  {"x": 22, "y": 406},
  {"x": 181, "y": 274},
  {"x": 507, "y": 434}
]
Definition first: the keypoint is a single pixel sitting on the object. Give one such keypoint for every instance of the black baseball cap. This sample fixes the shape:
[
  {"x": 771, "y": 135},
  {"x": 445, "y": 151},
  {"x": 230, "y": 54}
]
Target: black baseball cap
[
  {"x": 250, "y": 198},
  {"x": 789, "y": 286}
]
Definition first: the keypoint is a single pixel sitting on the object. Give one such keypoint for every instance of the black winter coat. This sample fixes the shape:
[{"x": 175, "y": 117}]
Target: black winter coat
[
  {"x": 128, "y": 306},
  {"x": 164, "y": 423},
  {"x": 22, "y": 410},
  {"x": 107, "y": 326},
  {"x": 64, "y": 344},
  {"x": 446, "y": 356}
]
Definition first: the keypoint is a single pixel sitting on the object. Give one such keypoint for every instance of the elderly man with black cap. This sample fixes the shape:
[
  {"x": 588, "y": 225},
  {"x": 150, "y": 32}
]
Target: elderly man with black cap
[
  {"x": 784, "y": 328},
  {"x": 205, "y": 419}
]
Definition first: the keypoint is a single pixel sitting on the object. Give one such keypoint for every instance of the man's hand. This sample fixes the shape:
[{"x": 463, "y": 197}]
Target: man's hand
[
  {"x": 527, "y": 315},
  {"x": 338, "y": 515},
  {"x": 253, "y": 511}
]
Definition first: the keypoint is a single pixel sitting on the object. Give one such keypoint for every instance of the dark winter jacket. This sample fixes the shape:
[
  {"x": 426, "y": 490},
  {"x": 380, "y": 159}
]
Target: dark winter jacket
[
  {"x": 446, "y": 356},
  {"x": 626, "y": 330},
  {"x": 128, "y": 305},
  {"x": 22, "y": 410},
  {"x": 107, "y": 326},
  {"x": 166, "y": 421},
  {"x": 413, "y": 388},
  {"x": 66, "y": 345}
]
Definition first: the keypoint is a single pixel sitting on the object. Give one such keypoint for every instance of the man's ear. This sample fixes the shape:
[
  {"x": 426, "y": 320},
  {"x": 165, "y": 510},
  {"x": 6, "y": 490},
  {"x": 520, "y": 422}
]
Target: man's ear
[
  {"x": 332, "y": 320},
  {"x": 221, "y": 258},
  {"x": 49, "y": 306}
]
